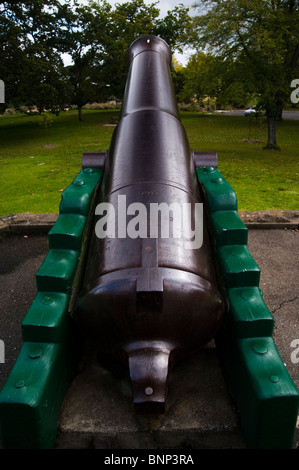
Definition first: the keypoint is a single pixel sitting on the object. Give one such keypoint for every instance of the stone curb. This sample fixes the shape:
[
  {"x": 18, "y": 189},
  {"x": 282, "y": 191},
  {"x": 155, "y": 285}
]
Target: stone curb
[
  {"x": 28, "y": 223},
  {"x": 279, "y": 219}
]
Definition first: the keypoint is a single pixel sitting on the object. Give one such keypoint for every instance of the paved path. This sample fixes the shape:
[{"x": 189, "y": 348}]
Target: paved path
[{"x": 240, "y": 112}]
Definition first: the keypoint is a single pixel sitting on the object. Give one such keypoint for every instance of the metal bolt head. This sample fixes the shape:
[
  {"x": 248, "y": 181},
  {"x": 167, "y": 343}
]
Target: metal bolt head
[{"x": 20, "y": 383}]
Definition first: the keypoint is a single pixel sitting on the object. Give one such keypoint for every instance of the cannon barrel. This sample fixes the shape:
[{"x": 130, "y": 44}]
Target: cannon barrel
[{"x": 149, "y": 296}]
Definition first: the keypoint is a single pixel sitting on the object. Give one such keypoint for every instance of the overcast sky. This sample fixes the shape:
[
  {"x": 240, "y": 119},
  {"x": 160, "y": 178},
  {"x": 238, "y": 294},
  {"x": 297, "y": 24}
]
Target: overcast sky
[{"x": 163, "y": 5}]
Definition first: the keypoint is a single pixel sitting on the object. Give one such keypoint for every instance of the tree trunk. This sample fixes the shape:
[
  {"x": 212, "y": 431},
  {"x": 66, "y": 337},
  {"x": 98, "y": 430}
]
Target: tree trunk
[
  {"x": 279, "y": 111},
  {"x": 80, "y": 113},
  {"x": 272, "y": 140}
]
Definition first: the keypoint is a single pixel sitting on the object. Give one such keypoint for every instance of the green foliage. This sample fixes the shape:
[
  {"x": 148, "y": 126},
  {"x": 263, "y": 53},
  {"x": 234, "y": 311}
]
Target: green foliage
[
  {"x": 28, "y": 57},
  {"x": 46, "y": 120},
  {"x": 201, "y": 77},
  {"x": 234, "y": 90},
  {"x": 95, "y": 36},
  {"x": 176, "y": 28},
  {"x": 127, "y": 22},
  {"x": 211, "y": 77},
  {"x": 263, "y": 38}
]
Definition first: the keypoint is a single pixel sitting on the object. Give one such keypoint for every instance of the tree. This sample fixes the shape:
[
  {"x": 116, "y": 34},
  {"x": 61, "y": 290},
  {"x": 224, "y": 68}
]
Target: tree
[
  {"x": 96, "y": 36},
  {"x": 84, "y": 40},
  {"x": 131, "y": 20},
  {"x": 207, "y": 76},
  {"x": 128, "y": 21},
  {"x": 233, "y": 89},
  {"x": 42, "y": 83},
  {"x": 176, "y": 28},
  {"x": 97, "y": 39},
  {"x": 201, "y": 77},
  {"x": 178, "y": 77},
  {"x": 263, "y": 36},
  {"x": 30, "y": 63}
]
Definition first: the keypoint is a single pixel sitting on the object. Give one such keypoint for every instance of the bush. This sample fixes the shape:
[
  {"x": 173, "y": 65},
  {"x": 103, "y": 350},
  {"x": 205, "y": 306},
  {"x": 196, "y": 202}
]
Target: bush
[{"x": 106, "y": 105}]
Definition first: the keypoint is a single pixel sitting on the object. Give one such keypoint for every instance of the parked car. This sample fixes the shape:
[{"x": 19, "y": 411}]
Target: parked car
[
  {"x": 250, "y": 112},
  {"x": 253, "y": 112}
]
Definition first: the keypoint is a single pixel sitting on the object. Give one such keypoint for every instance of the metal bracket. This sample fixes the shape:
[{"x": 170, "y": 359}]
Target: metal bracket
[
  {"x": 94, "y": 160},
  {"x": 204, "y": 159}
]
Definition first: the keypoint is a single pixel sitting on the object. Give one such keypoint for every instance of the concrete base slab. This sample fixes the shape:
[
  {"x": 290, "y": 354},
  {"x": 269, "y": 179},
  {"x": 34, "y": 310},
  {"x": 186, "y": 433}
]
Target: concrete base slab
[{"x": 98, "y": 410}]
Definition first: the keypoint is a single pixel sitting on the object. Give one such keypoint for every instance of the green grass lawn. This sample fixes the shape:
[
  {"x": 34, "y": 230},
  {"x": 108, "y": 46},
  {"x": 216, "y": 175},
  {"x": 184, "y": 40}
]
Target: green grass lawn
[
  {"x": 262, "y": 179},
  {"x": 38, "y": 163}
]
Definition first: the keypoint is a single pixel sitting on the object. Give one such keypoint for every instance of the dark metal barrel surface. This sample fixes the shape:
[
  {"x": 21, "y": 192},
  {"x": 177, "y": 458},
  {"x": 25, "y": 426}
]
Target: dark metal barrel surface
[{"x": 149, "y": 300}]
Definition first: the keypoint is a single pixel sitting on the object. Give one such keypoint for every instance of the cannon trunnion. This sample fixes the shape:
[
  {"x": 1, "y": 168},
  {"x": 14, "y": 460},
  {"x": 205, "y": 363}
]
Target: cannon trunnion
[{"x": 147, "y": 298}]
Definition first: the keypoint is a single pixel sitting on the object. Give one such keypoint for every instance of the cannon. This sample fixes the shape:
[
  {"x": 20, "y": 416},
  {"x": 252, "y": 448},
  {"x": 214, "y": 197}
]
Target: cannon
[
  {"x": 149, "y": 295},
  {"x": 149, "y": 260}
]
